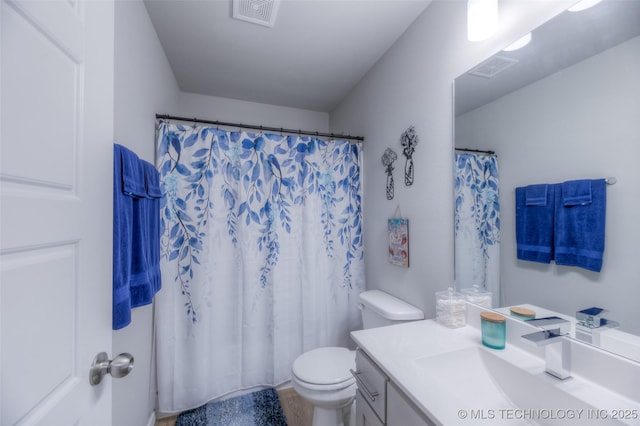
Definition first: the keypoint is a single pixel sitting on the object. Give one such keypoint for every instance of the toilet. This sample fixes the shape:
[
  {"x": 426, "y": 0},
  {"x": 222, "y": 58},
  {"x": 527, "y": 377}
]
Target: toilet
[{"x": 323, "y": 376}]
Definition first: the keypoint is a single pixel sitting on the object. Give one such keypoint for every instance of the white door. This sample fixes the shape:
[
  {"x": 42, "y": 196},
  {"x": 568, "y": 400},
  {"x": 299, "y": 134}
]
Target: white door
[{"x": 56, "y": 127}]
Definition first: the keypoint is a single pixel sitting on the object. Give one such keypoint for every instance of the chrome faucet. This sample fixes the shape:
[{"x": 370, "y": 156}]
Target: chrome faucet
[{"x": 557, "y": 349}]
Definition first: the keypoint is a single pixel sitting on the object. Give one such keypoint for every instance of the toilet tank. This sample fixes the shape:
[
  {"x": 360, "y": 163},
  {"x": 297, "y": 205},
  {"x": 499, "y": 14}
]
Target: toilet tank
[{"x": 379, "y": 309}]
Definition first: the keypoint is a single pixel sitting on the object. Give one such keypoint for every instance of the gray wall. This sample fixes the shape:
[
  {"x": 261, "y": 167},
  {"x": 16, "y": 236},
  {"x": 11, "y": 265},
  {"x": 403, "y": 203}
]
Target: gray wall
[
  {"x": 144, "y": 84},
  {"x": 236, "y": 111},
  {"x": 412, "y": 85},
  {"x": 578, "y": 123}
]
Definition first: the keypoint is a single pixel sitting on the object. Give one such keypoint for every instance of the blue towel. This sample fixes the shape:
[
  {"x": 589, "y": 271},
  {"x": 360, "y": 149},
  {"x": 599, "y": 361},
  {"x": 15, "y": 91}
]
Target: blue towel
[
  {"x": 152, "y": 180},
  {"x": 140, "y": 283},
  {"x": 534, "y": 225},
  {"x": 132, "y": 174},
  {"x": 576, "y": 192},
  {"x": 580, "y": 228},
  {"x": 145, "y": 259},
  {"x": 136, "y": 234},
  {"x": 123, "y": 159},
  {"x": 145, "y": 281},
  {"x": 536, "y": 195}
]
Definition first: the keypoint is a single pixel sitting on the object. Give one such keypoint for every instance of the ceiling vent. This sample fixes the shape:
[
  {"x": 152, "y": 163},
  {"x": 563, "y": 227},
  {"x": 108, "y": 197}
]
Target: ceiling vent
[
  {"x": 492, "y": 66},
  {"x": 261, "y": 12}
]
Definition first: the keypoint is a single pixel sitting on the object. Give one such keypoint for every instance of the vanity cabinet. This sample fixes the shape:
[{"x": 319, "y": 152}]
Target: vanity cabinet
[
  {"x": 401, "y": 411},
  {"x": 379, "y": 401}
]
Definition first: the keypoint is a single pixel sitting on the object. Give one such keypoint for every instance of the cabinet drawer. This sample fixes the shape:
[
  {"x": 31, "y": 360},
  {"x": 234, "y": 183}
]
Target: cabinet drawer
[
  {"x": 364, "y": 413},
  {"x": 372, "y": 384}
]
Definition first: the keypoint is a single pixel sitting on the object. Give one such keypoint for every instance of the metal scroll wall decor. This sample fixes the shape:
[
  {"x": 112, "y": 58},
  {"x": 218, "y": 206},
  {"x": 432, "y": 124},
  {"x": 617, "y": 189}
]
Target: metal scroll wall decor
[
  {"x": 409, "y": 140},
  {"x": 388, "y": 158}
]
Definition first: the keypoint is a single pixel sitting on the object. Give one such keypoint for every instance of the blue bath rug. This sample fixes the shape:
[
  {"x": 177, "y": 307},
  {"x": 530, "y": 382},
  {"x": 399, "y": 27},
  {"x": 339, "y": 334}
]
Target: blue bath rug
[{"x": 260, "y": 408}]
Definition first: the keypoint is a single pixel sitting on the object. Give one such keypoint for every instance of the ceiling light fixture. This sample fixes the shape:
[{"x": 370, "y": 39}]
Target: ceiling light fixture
[
  {"x": 482, "y": 19},
  {"x": 582, "y": 5},
  {"x": 518, "y": 44}
]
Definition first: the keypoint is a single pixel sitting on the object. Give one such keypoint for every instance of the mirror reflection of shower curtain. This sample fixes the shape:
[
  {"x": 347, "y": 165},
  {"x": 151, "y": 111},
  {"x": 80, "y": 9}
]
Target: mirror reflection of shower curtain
[
  {"x": 477, "y": 223},
  {"x": 262, "y": 257}
]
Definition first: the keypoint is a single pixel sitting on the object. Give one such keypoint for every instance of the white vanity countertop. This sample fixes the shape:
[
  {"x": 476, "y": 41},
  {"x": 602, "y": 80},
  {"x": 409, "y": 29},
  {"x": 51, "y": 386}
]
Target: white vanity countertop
[{"x": 402, "y": 352}]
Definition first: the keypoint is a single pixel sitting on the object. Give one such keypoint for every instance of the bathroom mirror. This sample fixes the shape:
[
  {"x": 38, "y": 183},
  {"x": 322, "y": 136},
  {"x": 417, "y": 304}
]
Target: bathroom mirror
[{"x": 565, "y": 106}]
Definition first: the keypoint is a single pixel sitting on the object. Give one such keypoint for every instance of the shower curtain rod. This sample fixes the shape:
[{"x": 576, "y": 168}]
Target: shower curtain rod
[
  {"x": 261, "y": 128},
  {"x": 476, "y": 150}
]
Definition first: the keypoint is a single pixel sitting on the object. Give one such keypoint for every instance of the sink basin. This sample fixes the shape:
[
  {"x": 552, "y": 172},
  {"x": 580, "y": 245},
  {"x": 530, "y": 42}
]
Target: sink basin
[{"x": 484, "y": 386}]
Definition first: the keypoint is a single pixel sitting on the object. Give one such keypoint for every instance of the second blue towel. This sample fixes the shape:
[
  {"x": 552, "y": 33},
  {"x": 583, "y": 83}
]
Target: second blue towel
[{"x": 580, "y": 223}]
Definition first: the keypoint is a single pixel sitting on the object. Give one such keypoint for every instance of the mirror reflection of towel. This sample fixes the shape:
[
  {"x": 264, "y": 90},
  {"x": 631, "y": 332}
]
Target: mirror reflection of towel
[
  {"x": 576, "y": 193},
  {"x": 534, "y": 223},
  {"x": 536, "y": 195},
  {"x": 580, "y": 223}
]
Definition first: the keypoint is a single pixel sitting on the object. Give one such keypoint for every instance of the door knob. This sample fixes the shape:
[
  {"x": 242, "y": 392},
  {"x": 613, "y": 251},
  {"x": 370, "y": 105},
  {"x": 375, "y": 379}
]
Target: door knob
[{"x": 118, "y": 367}]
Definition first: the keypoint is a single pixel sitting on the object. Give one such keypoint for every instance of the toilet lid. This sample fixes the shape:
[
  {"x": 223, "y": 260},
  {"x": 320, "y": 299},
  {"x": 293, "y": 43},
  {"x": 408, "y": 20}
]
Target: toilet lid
[{"x": 325, "y": 365}]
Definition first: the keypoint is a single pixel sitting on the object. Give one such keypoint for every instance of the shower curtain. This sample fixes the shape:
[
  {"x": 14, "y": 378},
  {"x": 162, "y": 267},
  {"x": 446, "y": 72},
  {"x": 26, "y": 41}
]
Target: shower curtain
[
  {"x": 477, "y": 223},
  {"x": 262, "y": 257}
]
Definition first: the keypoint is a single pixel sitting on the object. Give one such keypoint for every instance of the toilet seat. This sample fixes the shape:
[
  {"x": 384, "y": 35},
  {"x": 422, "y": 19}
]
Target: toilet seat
[{"x": 325, "y": 368}]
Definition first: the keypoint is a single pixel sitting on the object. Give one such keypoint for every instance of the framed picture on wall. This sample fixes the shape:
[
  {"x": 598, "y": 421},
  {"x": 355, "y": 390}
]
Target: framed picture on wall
[{"x": 398, "y": 230}]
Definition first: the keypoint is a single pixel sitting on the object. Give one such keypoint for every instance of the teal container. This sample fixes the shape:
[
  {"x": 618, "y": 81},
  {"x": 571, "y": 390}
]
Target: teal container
[{"x": 494, "y": 330}]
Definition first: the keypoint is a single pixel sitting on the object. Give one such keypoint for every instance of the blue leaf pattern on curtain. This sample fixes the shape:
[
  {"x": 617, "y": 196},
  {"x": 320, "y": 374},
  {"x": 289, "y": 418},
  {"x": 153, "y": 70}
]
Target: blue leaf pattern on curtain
[
  {"x": 274, "y": 173},
  {"x": 262, "y": 257},
  {"x": 477, "y": 222}
]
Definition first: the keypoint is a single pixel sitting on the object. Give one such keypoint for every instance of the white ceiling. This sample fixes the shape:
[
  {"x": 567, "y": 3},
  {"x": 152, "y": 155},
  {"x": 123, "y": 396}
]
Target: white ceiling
[{"x": 311, "y": 59}]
